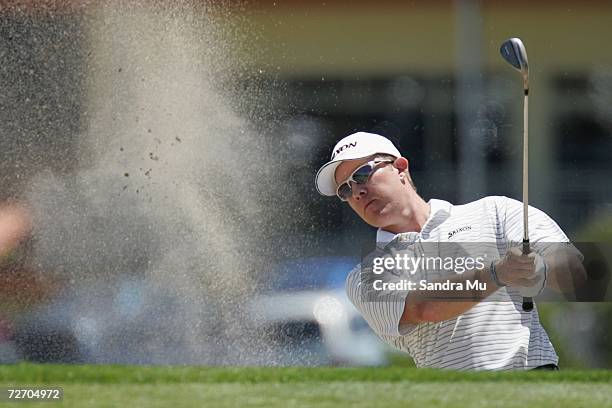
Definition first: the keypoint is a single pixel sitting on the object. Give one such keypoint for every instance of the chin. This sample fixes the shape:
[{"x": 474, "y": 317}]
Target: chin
[{"x": 377, "y": 221}]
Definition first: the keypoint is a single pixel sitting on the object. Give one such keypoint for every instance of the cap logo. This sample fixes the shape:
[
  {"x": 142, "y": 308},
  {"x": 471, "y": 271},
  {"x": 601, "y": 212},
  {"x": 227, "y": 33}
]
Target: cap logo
[{"x": 346, "y": 146}]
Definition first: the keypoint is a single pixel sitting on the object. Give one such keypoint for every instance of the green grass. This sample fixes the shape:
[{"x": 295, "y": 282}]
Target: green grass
[{"x": 114, "y": 386}]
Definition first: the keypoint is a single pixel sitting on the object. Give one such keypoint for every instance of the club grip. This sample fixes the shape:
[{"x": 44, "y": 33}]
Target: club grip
[{"x": 527, "y": 301}]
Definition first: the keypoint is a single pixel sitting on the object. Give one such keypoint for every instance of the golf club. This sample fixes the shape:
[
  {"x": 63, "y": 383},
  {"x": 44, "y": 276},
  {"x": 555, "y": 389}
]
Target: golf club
[{"x": 513, "y": 51}]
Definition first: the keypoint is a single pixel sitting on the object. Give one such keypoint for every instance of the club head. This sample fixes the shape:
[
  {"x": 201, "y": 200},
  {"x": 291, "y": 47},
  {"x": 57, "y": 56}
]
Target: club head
[{"x": 513, "y": 51}]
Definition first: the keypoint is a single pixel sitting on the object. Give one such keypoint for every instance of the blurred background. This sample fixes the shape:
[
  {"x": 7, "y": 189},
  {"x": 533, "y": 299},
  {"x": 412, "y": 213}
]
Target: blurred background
[{"x": 157, "y": 203}]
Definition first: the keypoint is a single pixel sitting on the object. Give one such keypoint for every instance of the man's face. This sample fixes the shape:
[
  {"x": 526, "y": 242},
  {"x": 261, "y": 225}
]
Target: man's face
[{"x": 380, "y": 201}]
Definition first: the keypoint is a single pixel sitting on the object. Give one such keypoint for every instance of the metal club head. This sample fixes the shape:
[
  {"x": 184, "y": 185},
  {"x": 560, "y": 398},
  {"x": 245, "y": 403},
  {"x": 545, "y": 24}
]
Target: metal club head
[{"x": 514, "y": 52}]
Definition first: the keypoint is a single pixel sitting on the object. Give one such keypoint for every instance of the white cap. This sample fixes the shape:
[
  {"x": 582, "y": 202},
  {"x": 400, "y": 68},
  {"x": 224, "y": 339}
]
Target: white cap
[{"x": 355, "y": 146}]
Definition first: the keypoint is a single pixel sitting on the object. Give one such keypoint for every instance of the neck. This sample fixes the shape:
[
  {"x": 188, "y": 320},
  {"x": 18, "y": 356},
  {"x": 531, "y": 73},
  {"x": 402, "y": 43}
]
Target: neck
[{"x": 413, "y": 217}]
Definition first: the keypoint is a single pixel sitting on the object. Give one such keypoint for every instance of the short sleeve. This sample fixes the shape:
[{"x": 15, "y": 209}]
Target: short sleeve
[
  {"x": 379, "y": 293},
  {"x": 382, "y": 313}
]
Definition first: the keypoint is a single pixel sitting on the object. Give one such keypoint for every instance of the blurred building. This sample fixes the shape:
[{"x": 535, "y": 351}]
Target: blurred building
[
  {"x": 395, "y": 67},
  {"x": 392, "y": 67}
]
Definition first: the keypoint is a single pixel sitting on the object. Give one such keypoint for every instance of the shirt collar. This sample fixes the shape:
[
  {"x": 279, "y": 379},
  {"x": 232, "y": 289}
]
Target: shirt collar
[{"x": 440, "y": 210}]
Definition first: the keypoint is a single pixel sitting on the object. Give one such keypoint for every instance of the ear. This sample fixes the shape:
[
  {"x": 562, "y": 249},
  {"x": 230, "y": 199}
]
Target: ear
[{"x": 401, "y": 164}]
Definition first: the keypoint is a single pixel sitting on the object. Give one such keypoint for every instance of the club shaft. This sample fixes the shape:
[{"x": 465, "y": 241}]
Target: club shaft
[
  {"x": 526, "y": 167},
  {"x": 527, "y": 301}
]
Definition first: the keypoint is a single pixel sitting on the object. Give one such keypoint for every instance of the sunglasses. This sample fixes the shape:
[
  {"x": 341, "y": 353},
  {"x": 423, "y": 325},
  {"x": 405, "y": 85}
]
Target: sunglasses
[{"x": 360, "y": 176}]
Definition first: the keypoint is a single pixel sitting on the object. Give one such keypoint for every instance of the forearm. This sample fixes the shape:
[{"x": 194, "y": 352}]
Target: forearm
[
  {"x": 435, "y": 306},
  {"x": 566, "y": 273}
]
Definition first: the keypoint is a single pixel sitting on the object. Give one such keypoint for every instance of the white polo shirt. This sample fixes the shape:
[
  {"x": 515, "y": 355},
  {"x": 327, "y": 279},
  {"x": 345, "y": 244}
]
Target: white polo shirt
[{"x": 495, "y": 334}]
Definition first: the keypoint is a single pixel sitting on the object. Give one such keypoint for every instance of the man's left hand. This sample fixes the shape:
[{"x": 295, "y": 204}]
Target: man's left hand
[{"x": 541, "y": 277}]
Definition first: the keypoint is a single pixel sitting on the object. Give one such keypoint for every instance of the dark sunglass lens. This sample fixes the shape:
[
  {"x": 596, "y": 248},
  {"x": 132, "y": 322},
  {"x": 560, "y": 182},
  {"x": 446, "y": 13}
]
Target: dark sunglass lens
[
  {"x": 362, "y": 174},
  {"x": 344, "y": 191}
]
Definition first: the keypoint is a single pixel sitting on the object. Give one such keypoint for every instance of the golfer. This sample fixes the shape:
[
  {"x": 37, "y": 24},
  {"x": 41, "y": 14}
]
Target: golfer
[{"x": 482, "y": 327}]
